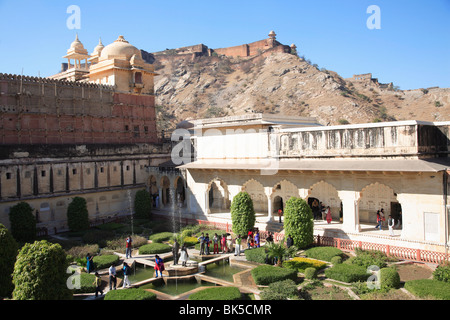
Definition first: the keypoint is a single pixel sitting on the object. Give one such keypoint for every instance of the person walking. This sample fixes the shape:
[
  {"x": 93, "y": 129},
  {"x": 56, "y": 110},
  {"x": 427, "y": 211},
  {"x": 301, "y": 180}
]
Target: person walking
[
  {"x": 128, "y": 247},
  {"x": 98, "y": 284},
  {"x": 89, "y": 263},
  {"x": 175, "y": 249},
  {"x": 224, "y": 243},
  {"x": 237, "y": 246},
  {"x": 112, "y": 277},
  {"x": 379, "y": 221},
  {"x": 159, "y": 265},
  {"x": 216, "y": 243},
  {"x": 126, "y": 273},
  {"x": 184, "y": 256},
  {"x": 328, "y": 215},
  {"x": 201, "y": 239},
  {"x": 391, "y": 224},
  {"x": 207, "y": 244}
]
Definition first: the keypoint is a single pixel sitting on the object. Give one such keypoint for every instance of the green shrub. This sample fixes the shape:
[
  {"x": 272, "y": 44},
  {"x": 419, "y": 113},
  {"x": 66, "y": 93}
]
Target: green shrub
[
  {"x": 105, "y": 261},
  {"x": 347, "y": 273},
  {"x": 154, "y": 248},
  {"x": 310, "y": 273},
  {"x": 426, "y": 288},
  {"x": 280, "y": 290},
  {"x": 256, "y": 255},
  {"x": 86, "y": 283},
  {"x": 300, "y": 264},
  {"x": 242, "y": 213},
  {"x": 442, "y": 272},
  {"x": 160, "y": 237},
  {"x": 142, "y": 204},
  {"x": 8, "y": 252},
  {"x": 111, "y": 226},
  {"x": 389, "y": 278},
  {"x": 23, "y": 222},
  {"x": 217, "y": 293},
  {"x": 265, "y": 274},
  {"x": 40, "y": 272},
  {"x": 336, "y": 260},
  {"x": 367, "y": 258},
  {"x": 78, "y": 215},
  {"x": 323, "y": 253},
  {"x": 130, "y": 294},
  {"x": 298, "y": 222}
]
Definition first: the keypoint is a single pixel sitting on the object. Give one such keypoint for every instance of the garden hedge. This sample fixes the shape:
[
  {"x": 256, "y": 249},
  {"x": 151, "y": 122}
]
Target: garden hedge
[
  {"x": 217, "y": 293},
  {"x": 256, "y": 255},
  {"x": 347, "y": 273},
  {"x": 280, "y": 290},
  {"x": 155, "y": 248},
  {"x": 130, "y": 294},
  {"x": 323, "y": 253},
  {"x": 8, "y": 252},
  {"x": 301, "y": 264},
  {"x": 389, "y": 278},
  {"x": 161, "y": 236},
  {"x": 105, "y": 261},
  {"x": 266, "y": 274}
]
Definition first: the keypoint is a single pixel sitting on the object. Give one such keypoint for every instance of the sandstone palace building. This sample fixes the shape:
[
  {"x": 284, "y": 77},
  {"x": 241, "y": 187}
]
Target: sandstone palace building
[{"x": 90, "y": 131}]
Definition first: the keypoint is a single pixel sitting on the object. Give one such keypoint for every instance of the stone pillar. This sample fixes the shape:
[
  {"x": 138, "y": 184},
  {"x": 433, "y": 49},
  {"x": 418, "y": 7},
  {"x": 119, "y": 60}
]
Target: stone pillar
[
  {"x": 350, "y": 208},
  {"x": 269, "y": 209},
  {"x": 160, "y": 202}
]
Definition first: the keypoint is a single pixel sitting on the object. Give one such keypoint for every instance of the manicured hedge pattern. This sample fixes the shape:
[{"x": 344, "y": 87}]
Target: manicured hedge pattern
[
  {"x": 217, "y": 293},
  {"x": 266, "y": 274}
]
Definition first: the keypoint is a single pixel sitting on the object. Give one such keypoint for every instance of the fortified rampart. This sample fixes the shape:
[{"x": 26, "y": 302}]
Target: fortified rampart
[{"x": 46, "y": 111}]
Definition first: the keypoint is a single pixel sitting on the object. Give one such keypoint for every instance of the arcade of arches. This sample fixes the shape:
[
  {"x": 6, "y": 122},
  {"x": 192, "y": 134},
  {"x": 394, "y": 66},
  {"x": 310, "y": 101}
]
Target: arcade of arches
[{"x": 267, "y": 200}]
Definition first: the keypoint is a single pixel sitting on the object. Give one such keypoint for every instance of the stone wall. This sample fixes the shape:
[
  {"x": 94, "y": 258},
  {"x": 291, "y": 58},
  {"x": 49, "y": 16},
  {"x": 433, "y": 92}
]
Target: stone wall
[{"x": 40, "y": 110}]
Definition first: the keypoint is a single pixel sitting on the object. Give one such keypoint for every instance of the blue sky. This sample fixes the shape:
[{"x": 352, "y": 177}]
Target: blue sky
[{"x": 412, "y": 48}]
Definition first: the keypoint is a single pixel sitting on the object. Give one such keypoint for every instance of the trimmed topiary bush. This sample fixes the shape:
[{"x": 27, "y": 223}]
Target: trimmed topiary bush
[
  {"x": 323, "y": 253},
  {"x": 23, "y": 222},
  {"x": 105, "y": 261},
  {"x": 160, "y": 237},
  {"x": 78, "y": 215},
  {"x": 280, "y": 290},
  {"x": 40, "y": 272},
  {"x": 442, "y": 272},
  {"x": 8, "y": 253},
  {"x": 389, "y": 278},
  {"x": 130, "y": 294},
  {"x": 154, "y": 248},
  {"x": 242, "y": 213},
  {"x": 300, "y": 264},
  {"x": 265, "y": 274},
  {"x": 310, "y": 273},
  {"x": 367, "y": 258},
  {"x": 298, "y": 222},
  {"x": 256, "y": 255},
  {"x": 217, "y": 293},
  {"x": 336, "y": 260},
  {"x": 142, "y": 204},
  {"x": 347, "y": 273}
]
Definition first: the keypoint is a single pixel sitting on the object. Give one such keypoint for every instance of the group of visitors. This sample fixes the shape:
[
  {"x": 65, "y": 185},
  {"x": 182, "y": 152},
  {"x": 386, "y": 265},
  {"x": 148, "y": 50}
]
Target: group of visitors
[
  {"x": 177, "y": 256},
  {"x": 219, "y": 242},
  {"x": 391, "y": 222}
]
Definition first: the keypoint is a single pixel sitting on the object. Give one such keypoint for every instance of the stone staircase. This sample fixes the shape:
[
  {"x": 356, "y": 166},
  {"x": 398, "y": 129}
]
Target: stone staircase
[{"x": 275, "y": 227}]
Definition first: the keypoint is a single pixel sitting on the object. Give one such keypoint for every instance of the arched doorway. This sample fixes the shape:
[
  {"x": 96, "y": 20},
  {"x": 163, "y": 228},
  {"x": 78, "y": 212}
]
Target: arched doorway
[
  {"x": 377, "y": 196},
  {"x": 281, "y": 193},
  {"x": 180, "y": 192},
  {"x": 256, "y": 191},
  {"x": 321, "y": 195},
  {"x": 165, "y": 191},
  {"x": 218, "y": 196}
]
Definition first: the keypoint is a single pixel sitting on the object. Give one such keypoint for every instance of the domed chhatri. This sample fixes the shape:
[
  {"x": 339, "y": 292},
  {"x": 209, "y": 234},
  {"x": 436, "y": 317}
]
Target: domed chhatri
[{"x": 120, "y": 49}]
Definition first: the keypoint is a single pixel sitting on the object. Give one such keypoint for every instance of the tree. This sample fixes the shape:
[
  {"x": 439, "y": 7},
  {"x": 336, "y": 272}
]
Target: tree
[
  {"x": 298, "y": 222},
  {"x": 242, "y": 213},
  {"x": 279, "y": 251},
  {"x": 23, "y": 222},
  {"x": 78, "y": 215},
  {"x": 40, "y": 272},
  {"x": 142, "y": 204},
  {"x": 8, "y": 253}
]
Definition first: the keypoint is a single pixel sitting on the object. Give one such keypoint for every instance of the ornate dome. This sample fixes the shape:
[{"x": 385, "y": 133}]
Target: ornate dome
[
  {"x": 77, "y": 47},
  {"x": 121, "y": 49},
  {"x": 98, "y": 49}
]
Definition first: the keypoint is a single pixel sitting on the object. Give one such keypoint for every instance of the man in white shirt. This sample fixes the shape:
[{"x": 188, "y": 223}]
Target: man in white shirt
[{"x": 112, "y": 277}]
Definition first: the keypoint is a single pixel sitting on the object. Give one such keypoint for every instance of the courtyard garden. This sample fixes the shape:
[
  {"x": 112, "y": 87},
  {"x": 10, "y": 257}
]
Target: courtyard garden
[{"x": 276, "y": 272}]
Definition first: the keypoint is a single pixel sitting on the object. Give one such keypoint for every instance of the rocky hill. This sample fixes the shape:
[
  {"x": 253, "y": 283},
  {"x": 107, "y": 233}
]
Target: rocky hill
[{"x": 192, "y": 87}]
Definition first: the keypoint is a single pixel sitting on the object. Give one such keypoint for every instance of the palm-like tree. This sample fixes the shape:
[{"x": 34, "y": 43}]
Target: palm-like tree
[{"x": 279, "y": 251}]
